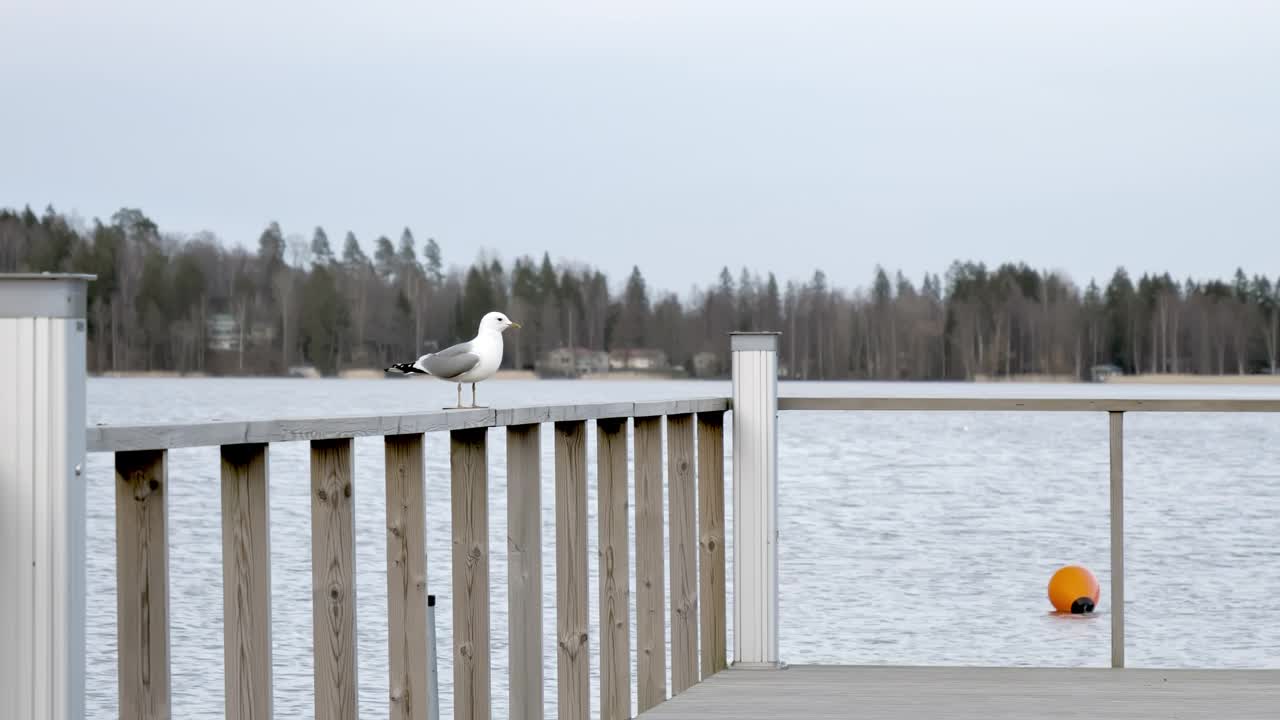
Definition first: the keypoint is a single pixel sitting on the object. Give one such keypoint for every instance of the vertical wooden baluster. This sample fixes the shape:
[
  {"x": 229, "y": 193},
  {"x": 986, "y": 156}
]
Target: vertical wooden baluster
[
  {"x": 684, "y": 553},
  {"x": 615, "y": 569},
  {"x": 406, "y": 576},
  {"x": 711, "y": 578},
  {"x": 333, "y": 564},
  {"x": 246, "y": 582},
  {"x": 651, "y": 659},
  {"x": 142, "y": 583},
  {"x": 573, "y": 651},
  {"x": 470, "y": 500},
  {"x": 524, "y": 570}
]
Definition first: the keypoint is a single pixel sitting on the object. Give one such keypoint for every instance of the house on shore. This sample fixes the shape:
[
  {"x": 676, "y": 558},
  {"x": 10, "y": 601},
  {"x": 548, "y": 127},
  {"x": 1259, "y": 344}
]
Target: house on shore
[
  {"x": 1102, "y": 373},
  {"x": 638, "y": 359},
  {"x": 571, "y": 362}
]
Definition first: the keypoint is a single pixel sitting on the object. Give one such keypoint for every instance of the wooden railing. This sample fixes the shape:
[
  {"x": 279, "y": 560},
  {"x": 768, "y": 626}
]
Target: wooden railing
[{"x": 693, "y": 603}]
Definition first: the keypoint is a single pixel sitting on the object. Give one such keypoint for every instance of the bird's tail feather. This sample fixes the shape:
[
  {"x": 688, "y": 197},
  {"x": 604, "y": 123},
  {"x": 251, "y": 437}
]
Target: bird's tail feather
[{"x": 407, "y": 368}]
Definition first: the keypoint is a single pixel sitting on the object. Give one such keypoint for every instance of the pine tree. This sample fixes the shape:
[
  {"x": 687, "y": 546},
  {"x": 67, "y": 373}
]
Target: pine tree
[
  {"x": 270, "y": 252},
  {"x": 407, "y": 256},
  {"x": 321, "y": 253},
  {"x": 352, "y": 255},
  {"x": 434, "y": 265},
  {"x": 384, "y": 258},
  {"x": 477, "y": 300},
  {"x": 324, "y": 320}
]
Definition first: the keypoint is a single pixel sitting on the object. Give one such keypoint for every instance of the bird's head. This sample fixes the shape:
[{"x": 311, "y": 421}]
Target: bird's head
[{"x": 497, "y": 322}]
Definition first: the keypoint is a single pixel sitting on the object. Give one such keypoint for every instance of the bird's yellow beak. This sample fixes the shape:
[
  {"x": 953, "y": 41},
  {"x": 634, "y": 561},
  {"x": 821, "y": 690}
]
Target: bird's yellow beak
[{"x": 515, "y": 324}]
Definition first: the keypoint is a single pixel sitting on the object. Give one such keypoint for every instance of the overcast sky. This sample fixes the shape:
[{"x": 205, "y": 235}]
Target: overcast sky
[{"x": 679, "y": 135}]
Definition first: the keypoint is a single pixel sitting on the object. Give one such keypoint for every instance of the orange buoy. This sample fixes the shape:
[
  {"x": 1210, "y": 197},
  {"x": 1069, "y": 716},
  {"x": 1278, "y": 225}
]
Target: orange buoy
[{"x": 1073, "y": 589}]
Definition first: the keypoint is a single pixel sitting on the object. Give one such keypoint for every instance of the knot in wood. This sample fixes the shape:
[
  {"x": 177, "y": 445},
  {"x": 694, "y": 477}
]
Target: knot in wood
[
  {"x": 324, "y": 496},
  {"x": 143, "y": 486},
  {"x": 711, "y": 545},
  {"x": 333, "y": 593},
  {"x": 346, "y": 490},
  {"x": 464, "y": 649}
]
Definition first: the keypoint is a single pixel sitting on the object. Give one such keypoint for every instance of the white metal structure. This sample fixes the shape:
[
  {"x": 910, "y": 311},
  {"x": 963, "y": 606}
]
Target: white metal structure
[
  {"x": 42, "y": 499},
  {"x": 755, "y": 499}
]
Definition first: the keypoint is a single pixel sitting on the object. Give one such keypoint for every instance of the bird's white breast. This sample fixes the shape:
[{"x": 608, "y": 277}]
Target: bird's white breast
[{"x": 488, "y": 345}]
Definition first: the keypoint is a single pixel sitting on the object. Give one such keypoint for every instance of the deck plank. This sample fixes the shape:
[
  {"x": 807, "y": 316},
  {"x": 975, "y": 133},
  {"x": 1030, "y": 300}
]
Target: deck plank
[{"x": 817, "y": 692}]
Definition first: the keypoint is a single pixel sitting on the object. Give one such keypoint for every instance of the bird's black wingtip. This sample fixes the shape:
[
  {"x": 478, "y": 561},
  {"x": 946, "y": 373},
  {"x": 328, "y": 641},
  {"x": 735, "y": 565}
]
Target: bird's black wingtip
[{"x": 406, "y": 368}]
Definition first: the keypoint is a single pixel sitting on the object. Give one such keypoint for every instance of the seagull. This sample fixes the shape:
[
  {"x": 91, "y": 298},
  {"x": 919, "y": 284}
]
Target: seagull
[{"x": 468, "y": 362}]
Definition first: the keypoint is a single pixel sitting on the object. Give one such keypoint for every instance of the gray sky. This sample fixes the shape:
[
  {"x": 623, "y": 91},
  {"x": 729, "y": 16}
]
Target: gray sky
[{"x": 678, "y": 135}]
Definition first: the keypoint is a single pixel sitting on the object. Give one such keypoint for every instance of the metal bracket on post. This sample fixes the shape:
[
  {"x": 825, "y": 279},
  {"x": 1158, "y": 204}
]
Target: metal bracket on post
[
  {"x": 433, "y": 683},
  {"x": 755, "y": 500},
  {"x": 42, "y": 495}
]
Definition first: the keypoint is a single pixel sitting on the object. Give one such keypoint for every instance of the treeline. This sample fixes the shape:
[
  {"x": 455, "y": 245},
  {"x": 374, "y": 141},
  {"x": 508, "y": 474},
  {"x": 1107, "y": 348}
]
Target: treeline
[{"x": 166, "y": 301}]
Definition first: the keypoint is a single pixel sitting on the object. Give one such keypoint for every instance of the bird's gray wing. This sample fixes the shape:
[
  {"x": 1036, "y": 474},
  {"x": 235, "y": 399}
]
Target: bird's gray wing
[{"x": 451, "y": 362}]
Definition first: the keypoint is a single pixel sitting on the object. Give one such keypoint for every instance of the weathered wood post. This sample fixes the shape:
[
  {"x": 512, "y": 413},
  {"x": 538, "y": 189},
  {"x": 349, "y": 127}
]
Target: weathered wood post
[
  {"x": 755, "y": 499},
  {"x": 42, "y": 499}
]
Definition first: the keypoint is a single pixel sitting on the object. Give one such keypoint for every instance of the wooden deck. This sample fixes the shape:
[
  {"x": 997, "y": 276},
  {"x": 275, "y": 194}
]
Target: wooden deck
[{"x": 816, "y": 692}]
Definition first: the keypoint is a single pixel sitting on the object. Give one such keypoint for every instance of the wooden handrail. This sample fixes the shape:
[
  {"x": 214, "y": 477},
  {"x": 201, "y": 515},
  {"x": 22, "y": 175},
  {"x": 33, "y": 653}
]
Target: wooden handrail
[
  {"x": 117, "y": 438},
  {"x": 961, "y": 404}
]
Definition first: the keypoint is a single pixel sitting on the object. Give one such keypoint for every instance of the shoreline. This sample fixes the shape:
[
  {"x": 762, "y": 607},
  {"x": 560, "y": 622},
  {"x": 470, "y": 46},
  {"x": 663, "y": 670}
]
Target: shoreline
[
  {"x": 374, "y": 374},
  {"x": 1186, "y": 379}
]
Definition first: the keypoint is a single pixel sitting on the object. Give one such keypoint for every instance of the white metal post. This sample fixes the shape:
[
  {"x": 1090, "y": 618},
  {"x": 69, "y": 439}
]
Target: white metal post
[
  {"x": 755, "y": 499},
  {"x": 1117, "y": 539},
  {"x": 42, "y": 499}
]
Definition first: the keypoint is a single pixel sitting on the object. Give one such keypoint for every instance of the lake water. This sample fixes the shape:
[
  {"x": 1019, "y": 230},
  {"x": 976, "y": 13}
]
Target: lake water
[{"x": 905, "y": 538}]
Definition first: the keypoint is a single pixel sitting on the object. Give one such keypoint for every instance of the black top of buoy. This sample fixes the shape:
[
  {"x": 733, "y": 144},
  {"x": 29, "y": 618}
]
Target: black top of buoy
[{"x": 1082, "y": 605}]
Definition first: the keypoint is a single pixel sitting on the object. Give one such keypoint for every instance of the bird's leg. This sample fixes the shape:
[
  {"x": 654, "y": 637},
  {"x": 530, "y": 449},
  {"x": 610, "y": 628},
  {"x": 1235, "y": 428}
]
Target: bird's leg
[
  {"x": 473, "y": 395},
  {"x": 459, "y": 396}
]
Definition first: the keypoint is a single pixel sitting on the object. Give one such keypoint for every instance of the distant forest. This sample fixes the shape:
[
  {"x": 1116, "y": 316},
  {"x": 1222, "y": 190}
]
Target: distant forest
[{"x": 295, "y": 300}]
